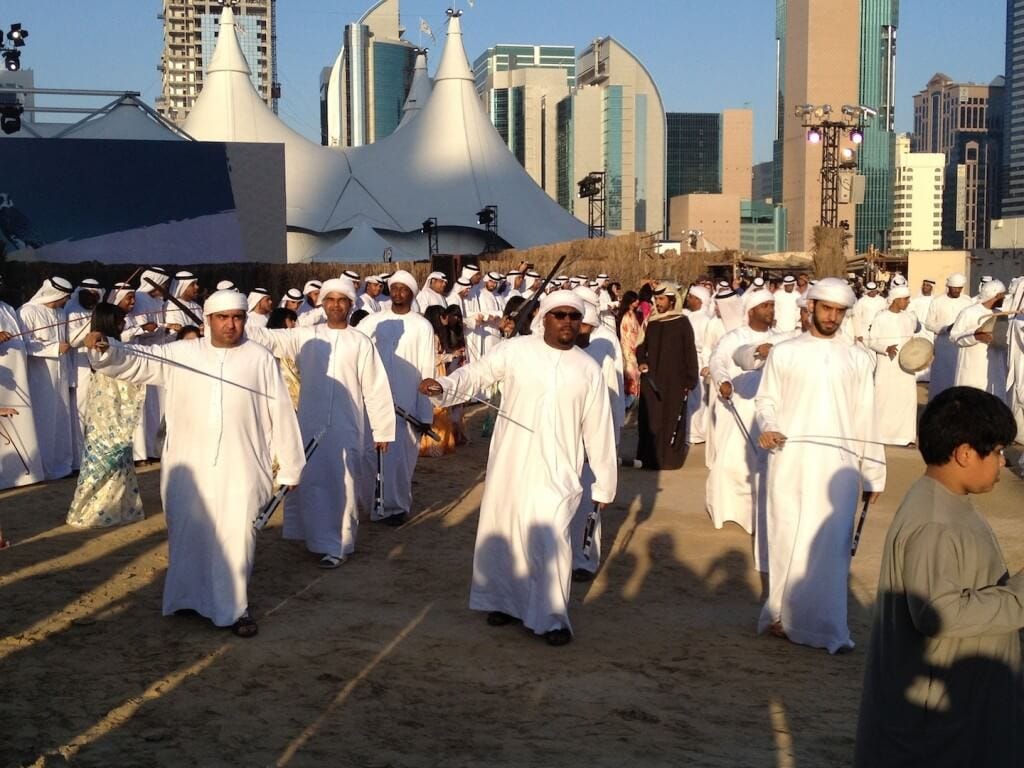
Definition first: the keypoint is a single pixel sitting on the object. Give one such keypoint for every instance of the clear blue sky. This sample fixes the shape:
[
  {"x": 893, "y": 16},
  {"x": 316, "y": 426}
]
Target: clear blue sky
[{"x": 705, "y": 55}]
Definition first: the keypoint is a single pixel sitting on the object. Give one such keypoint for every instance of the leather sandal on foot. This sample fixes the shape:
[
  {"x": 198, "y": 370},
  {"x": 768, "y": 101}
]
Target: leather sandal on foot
[
  {"x": 245, "y": 627},
  {"x": 330, "y": 562},
  {"x": 558, "y": 636}
]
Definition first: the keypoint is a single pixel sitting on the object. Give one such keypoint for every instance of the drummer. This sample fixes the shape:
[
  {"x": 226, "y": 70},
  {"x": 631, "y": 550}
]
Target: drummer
[
  {"x": 895, "y": 388},
  {"x": 981, "y": 354}
]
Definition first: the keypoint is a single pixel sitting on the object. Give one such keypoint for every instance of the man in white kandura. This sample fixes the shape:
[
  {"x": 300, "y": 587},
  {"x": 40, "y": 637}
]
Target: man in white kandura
[
  {"x": 942, "y": 313},
  {"x": 432, "y": 294},
  {"x": 555, "y": 411},
  {"x": 344, "y": 389},
  {"x": 228, "y": 416},
  {"x": 735, "y": 483},
  {"x": 79, "y": 311},
  {"x": 895, "y": 389},
  {"x": 815, "y": 408},
  {"x": 864, "y": 311},
  {"x": 309, "y": 309},
  {"x": 1015, "y": 358},
  {"x": 49, "y": 373},
  {"x": 787, "y": 314},
  {"x": 405, "y": 342},
  {"x": 260, "y": 306},
  {"x": 20, "y": 460},
  {"x": 595, "y": 341},
  {"x": 979, "y": 362},
  {"x": 697, "y": 410},
  {"x": 185, "y": 289}
]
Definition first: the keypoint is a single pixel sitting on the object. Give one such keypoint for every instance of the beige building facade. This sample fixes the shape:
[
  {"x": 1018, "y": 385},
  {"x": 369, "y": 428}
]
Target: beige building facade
[
  {"x": 917, "y": 198},
  {"x": 713, "y": 219},
  {"x": 820, "y": 67},
  {"x": 737, "y": 152},
  {"x": 614, "y": 121},
  {"x": 521, "y": 87}
]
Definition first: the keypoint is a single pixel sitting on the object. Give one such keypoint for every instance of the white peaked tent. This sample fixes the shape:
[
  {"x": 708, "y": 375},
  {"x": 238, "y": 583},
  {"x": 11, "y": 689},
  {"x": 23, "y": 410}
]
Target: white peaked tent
[
  {"x": 419, "y": 90},
  {"x": 363, "y": 246},
  {"x": 447, "y": 163},
  {"x": 125, "y": 118}
]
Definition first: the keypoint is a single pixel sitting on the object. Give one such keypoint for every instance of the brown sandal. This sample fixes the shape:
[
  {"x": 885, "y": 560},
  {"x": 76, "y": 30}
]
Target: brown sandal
[{"x": 245, "y": 627}]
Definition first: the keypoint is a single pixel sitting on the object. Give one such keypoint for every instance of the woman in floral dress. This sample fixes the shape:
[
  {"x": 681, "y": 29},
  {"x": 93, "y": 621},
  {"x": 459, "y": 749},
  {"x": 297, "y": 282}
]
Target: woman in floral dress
[
  {"x": 629, "y": 336},
  {"x": 108, "y": 490}
]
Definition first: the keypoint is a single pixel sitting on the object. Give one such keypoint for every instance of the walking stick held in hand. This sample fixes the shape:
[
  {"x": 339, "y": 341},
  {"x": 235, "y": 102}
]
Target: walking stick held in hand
[
  {"x": 588, "y": 531},
  {"x": 176, "y": 302},
  {"x": 283, "y": 490},
  {"x": 522, "y": 316},
  {"x": 679, "y": 420},
  {"x": 378, "y": 489},
  {"x": 860, "y": 523}
]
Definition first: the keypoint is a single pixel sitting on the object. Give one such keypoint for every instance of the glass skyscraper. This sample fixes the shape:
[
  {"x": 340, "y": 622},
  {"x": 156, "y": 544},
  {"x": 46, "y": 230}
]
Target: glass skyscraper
[
  {"x": 877, "y": 155},
  {"x": 693, "y": 153},
  {"x": 1012, "y": 184}
]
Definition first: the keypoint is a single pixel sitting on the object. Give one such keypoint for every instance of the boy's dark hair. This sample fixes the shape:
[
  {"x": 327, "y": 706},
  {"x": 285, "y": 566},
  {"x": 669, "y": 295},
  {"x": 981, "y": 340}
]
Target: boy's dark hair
[
  {"x": 106, "y": 318},
  {"x": 964, "y": 415},
  {"x": 279, "y": 315}
]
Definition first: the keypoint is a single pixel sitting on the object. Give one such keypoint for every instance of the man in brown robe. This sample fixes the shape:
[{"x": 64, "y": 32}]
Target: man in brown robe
[
  {"x": 943, "y": 683},
  {"x": 667, "y": 357}
]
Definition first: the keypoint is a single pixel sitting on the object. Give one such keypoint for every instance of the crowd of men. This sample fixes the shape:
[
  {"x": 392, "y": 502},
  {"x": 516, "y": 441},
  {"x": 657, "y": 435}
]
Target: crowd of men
[{"x": 794, "y": 385}]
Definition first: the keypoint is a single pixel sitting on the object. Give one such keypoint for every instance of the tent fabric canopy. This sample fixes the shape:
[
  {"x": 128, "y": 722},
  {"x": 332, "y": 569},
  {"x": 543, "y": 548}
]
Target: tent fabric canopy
[{"x": 447, "y": 162}]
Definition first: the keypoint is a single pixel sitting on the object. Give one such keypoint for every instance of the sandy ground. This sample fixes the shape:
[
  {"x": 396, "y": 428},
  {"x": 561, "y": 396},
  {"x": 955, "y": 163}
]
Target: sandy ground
[{"x": 380, "y": 663}]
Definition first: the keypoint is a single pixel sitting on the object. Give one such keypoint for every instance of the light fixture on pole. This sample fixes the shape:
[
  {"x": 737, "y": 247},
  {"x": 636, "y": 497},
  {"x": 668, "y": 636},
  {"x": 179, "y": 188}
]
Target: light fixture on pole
[
  {"x": 487, "y": 217},
  {"x": 825, "y": 129},
  {"x": 591, "y": 188},
  {"x": 429, "y": 228}
]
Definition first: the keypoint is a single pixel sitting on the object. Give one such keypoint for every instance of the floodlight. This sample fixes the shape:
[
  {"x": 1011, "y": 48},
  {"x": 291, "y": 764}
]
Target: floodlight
[
  {"x": 856, "y": 135},
  {"x": 429, "y": 225},
  {"x": 814, "y": 136},
  {"x": 485, "y": 216},
  {"x": 848, "y": 154},
  {"x": 10, "y": 118},
  {"x": 17, "y": 35},
  {"x": 12, "y": 61}
]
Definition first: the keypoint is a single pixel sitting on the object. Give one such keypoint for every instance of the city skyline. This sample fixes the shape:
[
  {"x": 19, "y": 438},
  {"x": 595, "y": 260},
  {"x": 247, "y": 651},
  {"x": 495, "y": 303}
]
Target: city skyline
[{"x": 730, "y": 67}]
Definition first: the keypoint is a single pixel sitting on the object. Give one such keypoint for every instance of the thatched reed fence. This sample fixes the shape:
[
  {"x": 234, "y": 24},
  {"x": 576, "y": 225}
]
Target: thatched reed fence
[{"x": 627, "y": 259}]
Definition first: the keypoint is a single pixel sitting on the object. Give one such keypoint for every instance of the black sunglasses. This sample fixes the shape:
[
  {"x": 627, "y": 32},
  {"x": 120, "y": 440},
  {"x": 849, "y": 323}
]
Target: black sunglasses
[{"x": 559, "y": 314}]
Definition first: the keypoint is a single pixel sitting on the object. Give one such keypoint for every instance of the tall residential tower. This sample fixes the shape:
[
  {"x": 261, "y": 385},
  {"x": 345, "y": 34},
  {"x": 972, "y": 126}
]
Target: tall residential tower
[{"x": 190, "y": 35}]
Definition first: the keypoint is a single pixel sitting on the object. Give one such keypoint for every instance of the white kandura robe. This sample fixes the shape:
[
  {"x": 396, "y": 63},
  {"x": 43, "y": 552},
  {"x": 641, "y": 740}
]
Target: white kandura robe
[
  {"x": 895, "y": 389},
  {"x": 1015, "y": 377},
  {"x": 344, "y": 388},
  {"x": 713, "y": 332},
  {"x": 14, "y": 393},
  {"x": 406, "y": 346},
  {"x": 147, "y": 440},
  {"x": 920, "y": 305},
  {"x": 942, "y": 313},
  {"x": 602, "y": 351},
  {"x": 819, "y": 393},
  {"x": 978, "y": 364},
  {"x": 49, "y": 381},
  {"x": 428, "y": 297},
  {"x": 485, "y": 335},
  {"x": 864, "y": 312},
  {"x": 787, "y": 313},
  {"x": 79, "y": 321},
  {"x": 697, "y": 412},
  {"x": 228, "y": 416},
  {"x": 558, "y": 411},
  {"x": 256, "y": 320},
  {"x": 734, "y": 485}
]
